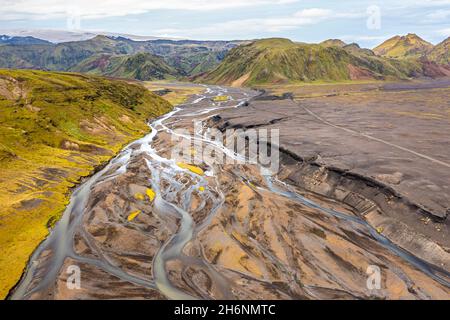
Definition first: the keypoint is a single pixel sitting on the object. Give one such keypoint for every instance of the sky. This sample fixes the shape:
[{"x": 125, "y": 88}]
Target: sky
[{"x": 365, "y": 22}]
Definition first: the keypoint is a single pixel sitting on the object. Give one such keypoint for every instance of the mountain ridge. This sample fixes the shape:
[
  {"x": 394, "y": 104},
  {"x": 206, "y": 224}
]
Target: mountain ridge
[
  {"x": 14, "y": 40},
  {"x": 276, "y": 60},
  {"x": 410, "y": 45},
  {"x": 141, "y": 66},
  {"x": 441, "y": 52},
  {"x": 399, "y": 57},
  {"x": 187, "y": 56}
]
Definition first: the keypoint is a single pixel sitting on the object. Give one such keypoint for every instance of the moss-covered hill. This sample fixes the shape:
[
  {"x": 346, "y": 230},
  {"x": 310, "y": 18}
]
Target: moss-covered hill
[
  {"x": 410, "y": 45},
  {"x": 55, "y": 128},
  {"x": 141, "y": 66},
  {"x": 272, "y": 61},
  {"x": 441, "y": 53}
]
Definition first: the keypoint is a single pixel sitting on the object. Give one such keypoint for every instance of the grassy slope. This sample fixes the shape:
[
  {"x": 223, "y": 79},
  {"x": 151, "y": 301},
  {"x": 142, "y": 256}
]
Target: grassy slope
[
  {"x": 410, "y": 45},
  {"x": 190, "y": 64},
  {"x": 141, "y": 66},
  {"x": 441, "y": 53},
  {"x": 281, "y": 61},
  {"x": 55, "y": 129}
]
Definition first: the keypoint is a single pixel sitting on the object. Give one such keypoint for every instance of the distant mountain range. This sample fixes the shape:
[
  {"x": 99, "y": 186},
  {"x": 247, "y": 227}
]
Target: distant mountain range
[
  {"x": 183, "y": 57},
  {"x": 11, "y": 40},
  {"x": 276, "y": 60},
  {"x": 237, "y": 63},
  {"x": 59, "y": 36}
]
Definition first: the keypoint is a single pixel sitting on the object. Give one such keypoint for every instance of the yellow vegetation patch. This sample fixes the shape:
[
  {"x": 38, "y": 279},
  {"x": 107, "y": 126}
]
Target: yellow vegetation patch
[
  {"x": 201, "y": 189},
  {"x": 133, "y": 215},
  {"x": 139, "y": 196},
  {"x": 191, "y": 168},
  {"x": 150, "y": 194},
  {"x": 220, "y": 99}
]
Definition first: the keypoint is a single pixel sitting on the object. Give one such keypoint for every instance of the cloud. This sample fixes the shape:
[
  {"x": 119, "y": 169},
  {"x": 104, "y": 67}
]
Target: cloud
[
  {"x": 437, "y": 16},
  {"x": 253, "y": 26},
  {"x": 47, "y": 9},
  {"x": 444, "y": 32}
]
